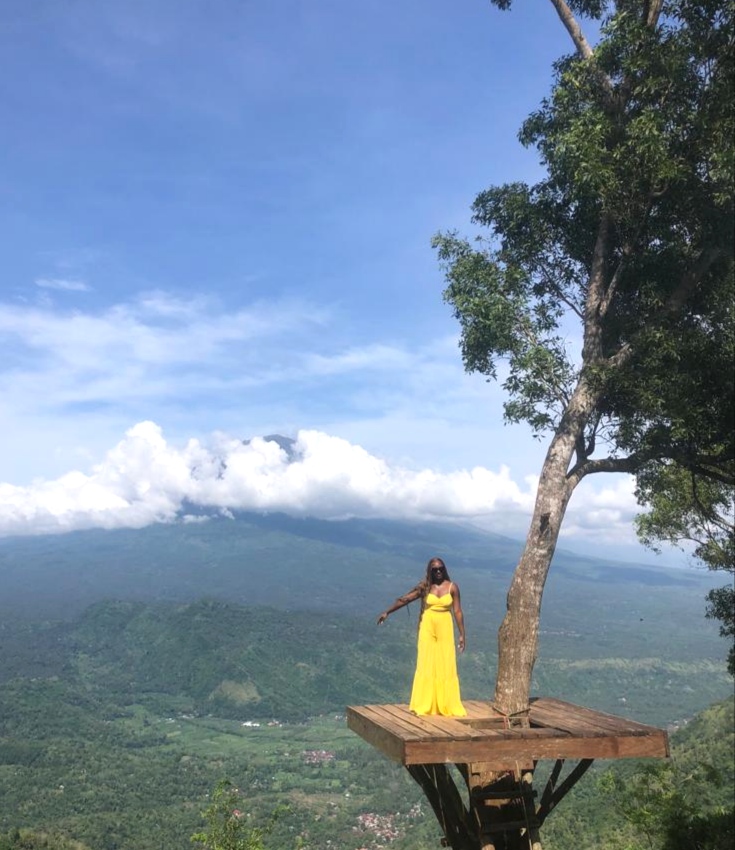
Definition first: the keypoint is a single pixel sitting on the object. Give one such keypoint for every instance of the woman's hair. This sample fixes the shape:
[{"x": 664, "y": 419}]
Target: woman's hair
[{"x": 422, "y": 588}]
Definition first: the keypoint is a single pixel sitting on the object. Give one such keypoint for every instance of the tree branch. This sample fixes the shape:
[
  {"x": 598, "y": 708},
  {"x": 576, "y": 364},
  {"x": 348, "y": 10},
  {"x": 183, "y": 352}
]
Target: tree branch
[
  {"x": 628, "y": 249},
  {"x": 573, "y": 28},
  {"x": 651, "y": 12},
  {"x": 580, "y": 449},
  {"x": 607, "y": 298},
  {"x": 707, "y": 472},
  {"x": 690, "y": 279},
  {"x": 595, "y": 293},
  {"x": 708, "y": 512},
  {"x": 557, "y": 390},
  {"x": 593, "y": 436},
  {"x": 633, "y": 463},
  {"x": 583, "y": 48},
  {"x": 604, "y": 464},
  {"x": 557, "y": 290}
]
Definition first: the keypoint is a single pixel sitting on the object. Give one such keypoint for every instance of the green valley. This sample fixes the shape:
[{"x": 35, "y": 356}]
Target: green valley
[{"x": 118, "y": 718}]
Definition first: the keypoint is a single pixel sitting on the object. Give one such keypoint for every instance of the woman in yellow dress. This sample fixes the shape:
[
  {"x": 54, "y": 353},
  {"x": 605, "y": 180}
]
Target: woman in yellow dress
[{"x": 435, "y": 683}]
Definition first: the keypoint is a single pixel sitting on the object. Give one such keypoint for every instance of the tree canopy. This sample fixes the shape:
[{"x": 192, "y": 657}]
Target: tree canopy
[{"x": 602, "y": 296}]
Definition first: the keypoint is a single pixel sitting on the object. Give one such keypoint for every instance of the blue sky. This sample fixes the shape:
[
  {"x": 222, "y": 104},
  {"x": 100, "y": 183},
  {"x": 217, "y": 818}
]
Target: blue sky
[{"x": 217, "y": 220}]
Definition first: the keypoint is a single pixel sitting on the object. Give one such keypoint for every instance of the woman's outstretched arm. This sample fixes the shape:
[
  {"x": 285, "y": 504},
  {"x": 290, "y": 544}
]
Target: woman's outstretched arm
[{"x": 401, "y": 602}]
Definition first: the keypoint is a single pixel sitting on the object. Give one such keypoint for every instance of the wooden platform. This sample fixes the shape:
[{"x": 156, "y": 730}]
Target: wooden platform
[{"x": 558, "y": 730}]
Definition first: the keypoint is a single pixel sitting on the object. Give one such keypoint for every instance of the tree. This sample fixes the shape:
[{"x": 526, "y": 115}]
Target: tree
[
  {"x": 228, "y": 827},
  {"x": 31, "y": 840},
  {"x": 662, "y": 806},
  {"x": 627, "y": 242}
]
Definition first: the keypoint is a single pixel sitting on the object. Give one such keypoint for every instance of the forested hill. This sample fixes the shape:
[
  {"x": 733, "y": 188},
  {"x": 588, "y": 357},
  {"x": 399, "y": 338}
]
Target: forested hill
[
  {"x": 254, "y": 662},
  {"x": 139, "y": 667}
]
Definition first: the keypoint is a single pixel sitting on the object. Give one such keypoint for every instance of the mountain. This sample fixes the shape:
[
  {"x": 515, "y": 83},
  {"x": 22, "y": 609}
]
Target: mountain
[
  {"x": 278, "y": 560},
  {"x": 594, "y": 611},
  {"x": 236, "y": 661}
]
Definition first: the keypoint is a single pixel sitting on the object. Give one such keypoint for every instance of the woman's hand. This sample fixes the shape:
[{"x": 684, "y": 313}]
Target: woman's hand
[
  {"x": 382, "y": 618},
  {"x": 460, "y": 645}
]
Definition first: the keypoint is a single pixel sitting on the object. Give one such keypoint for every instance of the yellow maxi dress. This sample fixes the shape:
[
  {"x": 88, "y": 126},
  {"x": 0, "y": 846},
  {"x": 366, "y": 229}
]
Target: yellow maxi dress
[{"x": 435, "y": 684}]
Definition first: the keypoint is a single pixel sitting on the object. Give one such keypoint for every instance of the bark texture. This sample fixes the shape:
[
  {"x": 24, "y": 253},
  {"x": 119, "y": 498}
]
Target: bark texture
[{"x": 518, "y": 634}]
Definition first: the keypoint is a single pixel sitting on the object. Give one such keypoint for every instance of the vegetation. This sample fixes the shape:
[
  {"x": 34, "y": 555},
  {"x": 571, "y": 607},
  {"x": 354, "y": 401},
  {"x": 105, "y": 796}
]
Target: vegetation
[
  {"x": 26, "y": 839},
  {"x": 117, "y": 746},
  {"x": 227, "y": 823},
  {"x": 628, "y": 241},
  {"x": 116, "y": 724}
]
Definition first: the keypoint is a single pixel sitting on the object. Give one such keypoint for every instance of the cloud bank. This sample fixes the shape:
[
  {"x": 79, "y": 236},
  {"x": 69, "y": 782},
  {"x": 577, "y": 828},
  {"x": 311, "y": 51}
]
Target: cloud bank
[{"x": 144, "y": 479}]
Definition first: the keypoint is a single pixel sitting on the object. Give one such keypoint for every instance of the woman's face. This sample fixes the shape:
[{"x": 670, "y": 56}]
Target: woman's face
[{"x": 438, "y": 573}]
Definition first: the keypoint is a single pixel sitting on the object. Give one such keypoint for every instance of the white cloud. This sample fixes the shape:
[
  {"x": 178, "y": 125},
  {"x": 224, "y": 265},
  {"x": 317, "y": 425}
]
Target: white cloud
[
  {"x": 603, "y": 515},
  {"x": 62, "y": 284},
  {"x": 155, "y": 346},
  {"x": 154, "y": 330},
  {"x": 144, "y": 479}
]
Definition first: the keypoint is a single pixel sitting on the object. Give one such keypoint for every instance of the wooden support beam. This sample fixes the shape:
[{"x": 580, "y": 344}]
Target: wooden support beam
[
  {"x": 503, "y": 807},
  {"x": 551, "y": 784},
  {"x": 566, "y": 786},
  {"x": 524, "y": 793},
  {"x": 510, "y": 826},
  {"x": 446, "y": 802}
]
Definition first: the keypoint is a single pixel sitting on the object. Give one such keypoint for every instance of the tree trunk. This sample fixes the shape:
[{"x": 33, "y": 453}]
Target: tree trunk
[{"x": 518, "y": 633}]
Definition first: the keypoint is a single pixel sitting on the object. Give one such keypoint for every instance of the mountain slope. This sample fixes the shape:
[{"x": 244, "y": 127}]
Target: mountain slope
[{"x": 274, "y": 560}]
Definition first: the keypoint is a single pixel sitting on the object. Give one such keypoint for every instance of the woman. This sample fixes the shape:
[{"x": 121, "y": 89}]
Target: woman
[{"x": 435, "y": 684}]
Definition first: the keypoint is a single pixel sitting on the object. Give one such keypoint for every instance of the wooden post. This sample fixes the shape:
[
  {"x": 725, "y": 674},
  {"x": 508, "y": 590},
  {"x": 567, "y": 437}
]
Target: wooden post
[
  {"x": 446, "y": 802},
  {"x": 501, "y": 814},
  {"x": 503, "y": 805}
]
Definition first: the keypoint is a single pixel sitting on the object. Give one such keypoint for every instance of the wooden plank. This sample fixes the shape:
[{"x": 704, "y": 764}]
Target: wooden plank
[
  {"x": 487, "y": 718},
  {"x": 376, "y": 736},
  {"x": 581, "y": 725},
  {"x": 399, "y": 724},
  {"x": 543, "y": 709},
  {"x": 477, "y": 709},
  {"x": 402, "y": 723},
  {"x": 409, "y": 739},
  {"x": 433, "y": 726},
  {"x": 550, "y": 719},
  {"x": 595, "y": 716},
  {"x": 492, "y": 750},
  {"x": 519, "y": 732}
]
